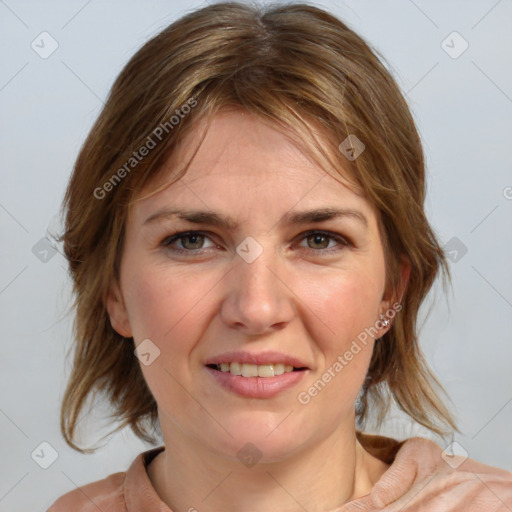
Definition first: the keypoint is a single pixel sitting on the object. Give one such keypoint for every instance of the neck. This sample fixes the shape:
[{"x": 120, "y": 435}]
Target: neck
[{"x": 322, "y": 477}]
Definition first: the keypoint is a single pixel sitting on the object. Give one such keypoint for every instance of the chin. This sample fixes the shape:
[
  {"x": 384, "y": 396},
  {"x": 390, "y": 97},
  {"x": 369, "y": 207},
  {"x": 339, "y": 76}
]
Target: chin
[{"x": 261, "y": 435}]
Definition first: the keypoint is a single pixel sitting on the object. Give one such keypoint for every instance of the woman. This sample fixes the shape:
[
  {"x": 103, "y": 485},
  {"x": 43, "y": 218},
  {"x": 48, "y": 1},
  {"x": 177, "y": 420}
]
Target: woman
[{"x": 246, "y": 234}]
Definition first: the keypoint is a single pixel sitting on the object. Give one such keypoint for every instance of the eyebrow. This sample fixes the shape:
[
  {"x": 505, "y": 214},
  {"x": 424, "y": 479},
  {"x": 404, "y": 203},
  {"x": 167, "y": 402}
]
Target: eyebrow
[{"x": 228, "y": 223}]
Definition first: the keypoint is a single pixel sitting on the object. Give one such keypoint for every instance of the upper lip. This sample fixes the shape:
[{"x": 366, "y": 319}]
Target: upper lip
[{"x": 253, "y": 358}]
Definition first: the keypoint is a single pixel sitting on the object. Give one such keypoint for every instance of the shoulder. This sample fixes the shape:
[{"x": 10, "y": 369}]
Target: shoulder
[
  {"x": 424, "y": 475},
  {"x": 112, "y": 494},
  {"x": 106, "y": 494}
]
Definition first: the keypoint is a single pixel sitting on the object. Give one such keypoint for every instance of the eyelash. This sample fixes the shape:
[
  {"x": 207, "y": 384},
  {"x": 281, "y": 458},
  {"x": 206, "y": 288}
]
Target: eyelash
[{"x": 169, "y": 240}]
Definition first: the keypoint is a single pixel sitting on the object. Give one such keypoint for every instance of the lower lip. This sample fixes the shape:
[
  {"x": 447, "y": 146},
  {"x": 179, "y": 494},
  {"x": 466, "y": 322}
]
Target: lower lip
[{"x": 256, "y": 387}]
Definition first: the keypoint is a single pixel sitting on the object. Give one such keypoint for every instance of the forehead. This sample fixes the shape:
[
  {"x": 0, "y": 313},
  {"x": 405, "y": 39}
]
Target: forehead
[
  {"x": 245, "y": 162},
  {"x": 239, "y": 144}
]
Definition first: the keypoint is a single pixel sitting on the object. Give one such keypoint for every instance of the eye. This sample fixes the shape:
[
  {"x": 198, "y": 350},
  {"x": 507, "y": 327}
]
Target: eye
[
  {"x": 322, "y": 241},
  {"x": 191, "y": 241}
]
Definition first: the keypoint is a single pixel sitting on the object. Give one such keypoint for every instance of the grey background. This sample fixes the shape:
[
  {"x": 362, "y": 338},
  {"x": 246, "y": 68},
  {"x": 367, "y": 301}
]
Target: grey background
[{"x": 463, "y": 107}]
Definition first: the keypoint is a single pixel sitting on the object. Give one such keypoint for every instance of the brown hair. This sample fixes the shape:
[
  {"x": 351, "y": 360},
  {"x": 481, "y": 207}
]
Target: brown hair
[{"x": 301, "y": 69}]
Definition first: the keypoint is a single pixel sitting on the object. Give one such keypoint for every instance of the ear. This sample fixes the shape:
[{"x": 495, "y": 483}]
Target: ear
[
  {"x": 117, "y": 312},
  {"x": 405, "y": 272},
  {"x": 390, "y": 299}
]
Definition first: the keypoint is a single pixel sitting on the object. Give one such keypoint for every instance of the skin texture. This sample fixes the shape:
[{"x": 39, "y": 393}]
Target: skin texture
[{"x": 292, "y": 298}]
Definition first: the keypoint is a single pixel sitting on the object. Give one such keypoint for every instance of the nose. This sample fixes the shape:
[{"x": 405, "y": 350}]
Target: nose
[{"x": 257, "y": 299}]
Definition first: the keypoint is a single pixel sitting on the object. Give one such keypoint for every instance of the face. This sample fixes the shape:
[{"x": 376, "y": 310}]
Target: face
[{"x": 257, "y": 277}]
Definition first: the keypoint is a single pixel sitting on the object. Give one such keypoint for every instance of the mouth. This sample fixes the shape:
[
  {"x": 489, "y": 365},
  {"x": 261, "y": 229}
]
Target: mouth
[
  {"x": 255, "y": 370},
  {"x": 259, "y": 375}
]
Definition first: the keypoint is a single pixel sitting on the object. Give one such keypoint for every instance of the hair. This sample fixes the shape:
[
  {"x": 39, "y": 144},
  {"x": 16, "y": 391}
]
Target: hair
[{"x": 304, "y": 71}]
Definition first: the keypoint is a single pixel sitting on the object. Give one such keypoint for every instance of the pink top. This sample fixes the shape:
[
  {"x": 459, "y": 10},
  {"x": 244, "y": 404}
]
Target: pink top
[{"x": 420, "y": 479}]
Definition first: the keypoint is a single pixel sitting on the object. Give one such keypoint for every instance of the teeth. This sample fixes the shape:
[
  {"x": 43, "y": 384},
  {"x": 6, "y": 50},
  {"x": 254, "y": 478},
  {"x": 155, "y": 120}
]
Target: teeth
[
  {"x": 279, "y": 369},
  {"x": 266, "y": 370},
  {"x": 235, "y": 368},
  {"x": 249, "y": 370},
  {"x": 254, "y": 370}
]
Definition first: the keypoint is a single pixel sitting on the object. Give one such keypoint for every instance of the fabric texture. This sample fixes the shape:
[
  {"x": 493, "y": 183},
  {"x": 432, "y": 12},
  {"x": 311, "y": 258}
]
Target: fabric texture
[{"x": 421, "y": 478}]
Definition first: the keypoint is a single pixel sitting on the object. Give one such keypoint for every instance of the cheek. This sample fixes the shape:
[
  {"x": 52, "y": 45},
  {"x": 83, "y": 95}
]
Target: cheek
[
  {"x": 162, "y": 304},
  {"x": 347, "y": 305},
  {"x": 170, "y": 309},
  {"x": 346, "y": 302}
]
